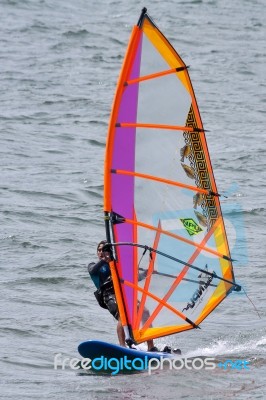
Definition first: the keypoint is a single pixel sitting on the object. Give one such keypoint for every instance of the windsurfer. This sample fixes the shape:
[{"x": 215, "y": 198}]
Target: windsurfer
[{"x": 101, "y": 275}]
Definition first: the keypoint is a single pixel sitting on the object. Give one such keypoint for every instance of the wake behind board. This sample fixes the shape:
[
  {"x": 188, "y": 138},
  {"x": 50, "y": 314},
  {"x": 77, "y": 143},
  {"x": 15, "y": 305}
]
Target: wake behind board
[{"x": 110, "y": 358}]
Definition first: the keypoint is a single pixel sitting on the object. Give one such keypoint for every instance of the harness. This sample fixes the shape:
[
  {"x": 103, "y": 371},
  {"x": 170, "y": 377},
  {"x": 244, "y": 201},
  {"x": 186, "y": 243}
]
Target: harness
[{"x": 99, "y": 293}]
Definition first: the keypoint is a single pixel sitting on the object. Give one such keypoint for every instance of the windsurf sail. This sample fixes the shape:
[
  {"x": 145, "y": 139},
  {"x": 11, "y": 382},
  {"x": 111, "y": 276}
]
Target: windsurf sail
[{"x": 172, "y": 265}]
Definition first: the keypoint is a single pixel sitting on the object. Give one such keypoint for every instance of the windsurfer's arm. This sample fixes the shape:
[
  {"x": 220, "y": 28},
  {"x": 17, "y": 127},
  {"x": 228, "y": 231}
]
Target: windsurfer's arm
[{"x": 93, "y": 268}]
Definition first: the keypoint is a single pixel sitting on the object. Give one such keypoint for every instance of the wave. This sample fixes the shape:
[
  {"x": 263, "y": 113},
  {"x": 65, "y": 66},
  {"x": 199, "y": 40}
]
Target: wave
[
  {"x": 237, "y": 211},
  {"x": 79, "y": 33},
  {"x": 240, "y": 346}
]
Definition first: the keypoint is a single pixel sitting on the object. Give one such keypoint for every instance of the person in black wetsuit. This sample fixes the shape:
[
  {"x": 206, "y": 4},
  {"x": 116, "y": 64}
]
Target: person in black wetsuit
[{"x": 101, "y": 275}]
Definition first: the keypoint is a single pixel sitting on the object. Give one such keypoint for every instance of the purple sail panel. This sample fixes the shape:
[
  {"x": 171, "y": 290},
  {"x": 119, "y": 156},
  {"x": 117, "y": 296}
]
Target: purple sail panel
[
  {"x": 125, "y": 231},
  {"x": 122, "y": 187}
]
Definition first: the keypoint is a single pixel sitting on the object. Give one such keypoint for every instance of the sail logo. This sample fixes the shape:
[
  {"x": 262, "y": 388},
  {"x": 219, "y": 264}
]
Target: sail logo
[
  {"x": 191, "y": 226},
  {"x": 198, "y": 293}
]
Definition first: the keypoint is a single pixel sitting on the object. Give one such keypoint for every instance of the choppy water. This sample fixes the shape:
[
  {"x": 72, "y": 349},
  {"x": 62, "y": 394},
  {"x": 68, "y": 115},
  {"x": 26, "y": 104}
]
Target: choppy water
[{"x": 59, "y": 62}]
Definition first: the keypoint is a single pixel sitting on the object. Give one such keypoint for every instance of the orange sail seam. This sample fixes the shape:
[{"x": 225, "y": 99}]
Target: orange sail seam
[
  {"x": 148, "y": 279},
  {"x": 181, "y": 275},
  {"x": 174, "y": 310}
]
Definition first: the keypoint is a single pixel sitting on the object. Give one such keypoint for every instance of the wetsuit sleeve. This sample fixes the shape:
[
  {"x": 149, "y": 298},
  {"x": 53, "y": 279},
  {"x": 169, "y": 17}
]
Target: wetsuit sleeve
[{"x": 93, "y": 268}]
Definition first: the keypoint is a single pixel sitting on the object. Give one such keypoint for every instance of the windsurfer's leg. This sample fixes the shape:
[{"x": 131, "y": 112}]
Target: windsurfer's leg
[
  {"x": 121, "y": 334},
  {"x": 150, "y": 344},
  {"x": 110, "y": 301}
]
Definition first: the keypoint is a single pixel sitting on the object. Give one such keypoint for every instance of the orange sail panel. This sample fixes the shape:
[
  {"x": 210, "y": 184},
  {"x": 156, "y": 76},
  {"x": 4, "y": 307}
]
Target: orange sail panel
[{"x": 160, "y": 194}]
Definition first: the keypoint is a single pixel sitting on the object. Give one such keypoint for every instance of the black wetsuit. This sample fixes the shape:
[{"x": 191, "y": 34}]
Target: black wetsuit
[{"x": 101, "y": 275}]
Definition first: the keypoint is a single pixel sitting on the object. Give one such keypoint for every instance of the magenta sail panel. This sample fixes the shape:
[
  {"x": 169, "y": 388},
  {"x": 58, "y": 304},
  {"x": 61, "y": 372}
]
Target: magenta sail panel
[{"x": 123, "y": 186}]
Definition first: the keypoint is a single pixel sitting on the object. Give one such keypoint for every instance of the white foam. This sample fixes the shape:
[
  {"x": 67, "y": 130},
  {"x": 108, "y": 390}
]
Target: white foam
[{"x": 224, "y": 347}]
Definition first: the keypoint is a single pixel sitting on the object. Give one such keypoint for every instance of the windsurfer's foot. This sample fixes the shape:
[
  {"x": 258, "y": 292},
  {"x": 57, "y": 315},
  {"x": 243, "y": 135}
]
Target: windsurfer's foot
[
  {"x": 154, "y": 348},
  {"x": 166, "y": 349},
  {"x": 177, "y": 351}
]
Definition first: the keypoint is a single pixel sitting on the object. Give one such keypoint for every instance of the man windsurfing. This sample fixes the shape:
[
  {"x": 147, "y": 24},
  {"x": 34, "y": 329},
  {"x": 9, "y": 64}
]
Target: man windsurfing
[{"x": 101, "y": 275}]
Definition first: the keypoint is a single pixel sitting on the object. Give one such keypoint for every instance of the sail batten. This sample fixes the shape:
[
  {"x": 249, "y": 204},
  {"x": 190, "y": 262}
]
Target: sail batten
[
  {"x": 172, "y": 263},
  {"x": 167, "y": 181},
  {"x": 156, "y": 126},
  {"x": 155, "y": 75}
]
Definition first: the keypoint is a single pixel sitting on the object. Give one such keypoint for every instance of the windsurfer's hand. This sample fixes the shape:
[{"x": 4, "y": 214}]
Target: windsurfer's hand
[
  {"x": 142, "y": 275},
  {"x": 106, "y": 256}
]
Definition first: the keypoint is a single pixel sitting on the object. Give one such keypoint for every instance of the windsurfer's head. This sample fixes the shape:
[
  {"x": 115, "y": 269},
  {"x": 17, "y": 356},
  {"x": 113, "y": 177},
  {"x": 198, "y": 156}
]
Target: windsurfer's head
[
  {"x": 101, "y": 244},
  {"x": 103, "y": 248}
]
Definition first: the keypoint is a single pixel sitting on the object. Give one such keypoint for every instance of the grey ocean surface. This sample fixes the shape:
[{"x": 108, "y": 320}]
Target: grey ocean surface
[{"x": 59, "y": 63}]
